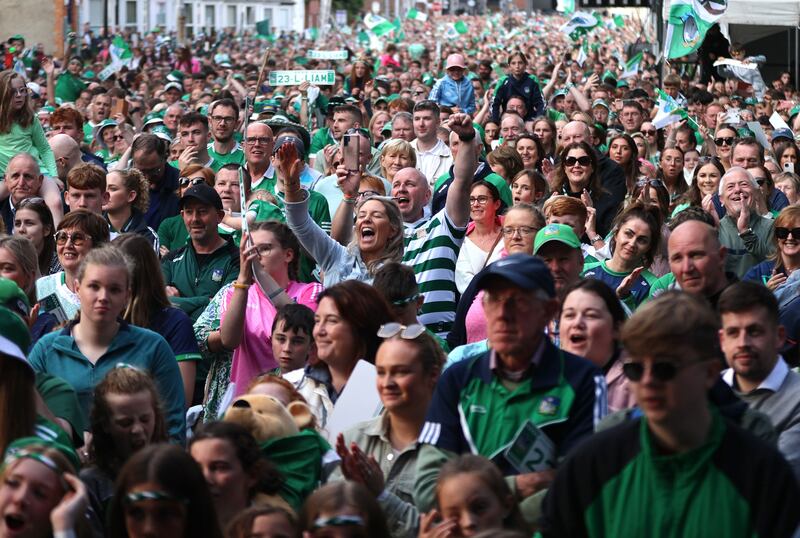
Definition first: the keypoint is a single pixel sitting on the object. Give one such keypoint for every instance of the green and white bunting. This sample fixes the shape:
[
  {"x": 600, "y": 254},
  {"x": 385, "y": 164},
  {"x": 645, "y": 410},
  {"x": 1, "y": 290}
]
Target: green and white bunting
[
  {"x": 688, "y": 22},
  {"x": 580, "y": 24},
  {"x": 582, "y": 55},
  {"x": 632, "y": 67},
  {"x": 322, "y": 77},
  {"x": 378, "y": 25},
  {"x": 415, "y": 15},
  {"x": 327, "y": 54}
]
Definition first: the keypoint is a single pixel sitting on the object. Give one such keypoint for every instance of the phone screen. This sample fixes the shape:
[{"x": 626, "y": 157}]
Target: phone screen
[{"x": 350, "y": 152}]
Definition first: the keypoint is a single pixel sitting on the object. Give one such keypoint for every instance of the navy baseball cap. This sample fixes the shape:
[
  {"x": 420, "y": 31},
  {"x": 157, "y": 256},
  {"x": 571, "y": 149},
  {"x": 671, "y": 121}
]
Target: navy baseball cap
[
  {"x": 523, "y": 270},
  {"x": 782, "y": 133},
  {"x": 203, "y": 192},
  {"x": 290, "y": 139}
]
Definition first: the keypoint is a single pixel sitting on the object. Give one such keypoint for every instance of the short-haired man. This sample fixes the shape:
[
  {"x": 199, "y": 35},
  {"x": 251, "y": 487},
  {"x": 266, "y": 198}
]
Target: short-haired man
[
  {"x": 631, "y": 116},
  {"x": 433, "y": 155},
  {"x": 149, "y": 156},
  {"x": 345, "y": 117},
  {"x": 224, "y": 116},
  {"x": 172, "y": 118},
  {"x": 511, "y": 126},
  {"x": 403, "y": 126},
  {"x": 742, "y": 231},
  {"x": 258, "y": 144},
  {"x": 67, "y": 120},
  {"x": 196, "y": 272},
  {"x": 99, "y": 110},
  {"x": 23, "y": 180},
  {"x": 751, "y": 337},
  {"x": 747, "y": 153},
  {"x": 681, "y": 456},
  {"x": 696, "y": 261},
  {"x": 67, "y": 153},
  {"x": 193, "y": 129},
  {"x": 523, "y": 403},
  {"x": 86, "y": 188},
  {"x": 560, "y": 249}
]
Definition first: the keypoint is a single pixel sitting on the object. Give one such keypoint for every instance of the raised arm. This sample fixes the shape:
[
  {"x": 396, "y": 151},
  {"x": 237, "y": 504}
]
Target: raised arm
[{"x": 457, "y": 204}]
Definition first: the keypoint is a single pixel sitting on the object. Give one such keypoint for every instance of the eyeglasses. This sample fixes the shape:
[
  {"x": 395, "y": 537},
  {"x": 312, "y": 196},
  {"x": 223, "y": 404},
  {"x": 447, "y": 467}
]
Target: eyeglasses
[
  {"x": 420, "y": 92},
  {"x": 263, "y": 249},
  {"x": 184, "y": 181},
  {"x": 367, "y": 194},
  {"x": 783, "y": 233},
  {"x": 21, "y": 91},
  {"x": 724, "y": 141},
  {"x": 117, "y": 138},
  {"x": 661, "y": 371},
  {"x": 583, "y": 160},
  {"x": 357, "y": 130},
  {"x": 260, "y": 140},
  {"x": 223, "y": 119},
  {"x": 480, "y": 200},
  {"x": 410, "y": 332},
  {"x": 151, "y": 172},
  {"x": 524, "y": 231},
  {"x": 77, "y": 238}
]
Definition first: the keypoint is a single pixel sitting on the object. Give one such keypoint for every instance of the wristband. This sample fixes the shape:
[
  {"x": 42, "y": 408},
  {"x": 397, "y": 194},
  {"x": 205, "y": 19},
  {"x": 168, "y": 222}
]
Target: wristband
[
  {"x": 596, "y": 238},
  {"x": 240, "y": 286},
  {"x": 275, "y": 293}
]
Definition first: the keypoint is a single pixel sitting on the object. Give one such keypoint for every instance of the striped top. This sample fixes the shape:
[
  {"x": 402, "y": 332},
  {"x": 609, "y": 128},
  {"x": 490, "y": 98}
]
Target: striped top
[{"x": 431, "y": 249}]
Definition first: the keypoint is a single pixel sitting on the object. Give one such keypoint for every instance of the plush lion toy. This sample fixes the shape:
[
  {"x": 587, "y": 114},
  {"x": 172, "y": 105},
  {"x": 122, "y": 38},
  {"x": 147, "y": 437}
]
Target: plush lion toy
[{"x": 280, "y": 431}]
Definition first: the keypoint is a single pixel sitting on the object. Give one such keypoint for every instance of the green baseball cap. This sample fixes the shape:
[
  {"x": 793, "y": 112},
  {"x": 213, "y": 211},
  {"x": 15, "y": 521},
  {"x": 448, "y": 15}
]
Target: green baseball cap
[
  {"x": 556, "y": 232},
  {"x": 13, "y": 298},
  {"x": 15, "y": 339}
]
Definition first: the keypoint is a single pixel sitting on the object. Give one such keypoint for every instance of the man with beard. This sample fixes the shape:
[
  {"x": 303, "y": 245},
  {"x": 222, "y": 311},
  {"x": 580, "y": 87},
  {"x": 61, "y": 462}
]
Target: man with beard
[{"x": 224, "y": 115}]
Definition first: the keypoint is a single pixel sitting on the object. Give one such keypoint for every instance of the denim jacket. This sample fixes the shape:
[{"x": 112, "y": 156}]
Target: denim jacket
[{"x": 449, "y": 92}]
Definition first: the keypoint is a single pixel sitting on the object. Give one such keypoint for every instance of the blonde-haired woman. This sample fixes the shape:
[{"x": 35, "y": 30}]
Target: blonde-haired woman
[
  {"x": 128, "y": 198},
  {"x": 396, "y": 155}
]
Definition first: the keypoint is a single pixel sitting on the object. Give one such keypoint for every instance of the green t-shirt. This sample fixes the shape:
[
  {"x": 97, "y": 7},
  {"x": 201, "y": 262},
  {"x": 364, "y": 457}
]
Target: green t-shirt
[
  {"x": 69, "y": 87},
  {"x": 236, "y": 156}
]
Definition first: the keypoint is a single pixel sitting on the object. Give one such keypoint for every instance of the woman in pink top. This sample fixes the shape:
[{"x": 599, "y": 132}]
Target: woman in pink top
[{"x": 248, "y": 311}]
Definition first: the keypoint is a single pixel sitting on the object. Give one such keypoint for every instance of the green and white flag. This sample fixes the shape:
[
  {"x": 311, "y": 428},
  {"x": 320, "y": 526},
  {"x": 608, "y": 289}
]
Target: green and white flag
[
  {"x": 579, "y": 25},
  {"x": 689, "y": 20},
  {"x": 669, "y": 111},
  {"x": 619, "y": 21},
  {"x": 120, "y": 51},
  {"x": 378, "y": 25},
  {"x": 415, "y": 15},
  {"x": 565, "y": 6},
  {"x": 263, "y": 30},
  {"x": 582, "y": 55},
  {"x": 632, "y": 67},
  {"x": 461, "y": 27}
]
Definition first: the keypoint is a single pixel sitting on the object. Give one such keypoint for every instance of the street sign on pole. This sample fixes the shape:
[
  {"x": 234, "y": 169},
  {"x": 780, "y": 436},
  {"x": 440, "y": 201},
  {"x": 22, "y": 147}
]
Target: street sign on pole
[{"x": 322, "y": 77}]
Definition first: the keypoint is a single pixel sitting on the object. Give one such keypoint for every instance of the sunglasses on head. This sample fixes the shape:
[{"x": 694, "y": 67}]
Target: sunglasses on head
[
  {"x": 724, "y": 141},
  {"x": 410, "y": 332},
  {"x": 783, "y": 233},
  {"x": 660, "y": 371},
  {"x": 583, "y": 160},
  {"x": 651, "y": 182}
]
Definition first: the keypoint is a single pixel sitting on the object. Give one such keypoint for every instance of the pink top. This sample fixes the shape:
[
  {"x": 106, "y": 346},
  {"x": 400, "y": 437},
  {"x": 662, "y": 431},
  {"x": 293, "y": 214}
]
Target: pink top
[
  {"x": 475, "y": 321},
  {"x": 254, "y": 355}
]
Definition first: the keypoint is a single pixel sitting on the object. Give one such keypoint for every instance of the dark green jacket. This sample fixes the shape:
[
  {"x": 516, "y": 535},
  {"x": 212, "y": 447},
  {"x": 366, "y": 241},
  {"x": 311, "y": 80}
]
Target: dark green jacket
[
  {"x": 618, "y": 484},
  {"x": 197, "y": 283}
]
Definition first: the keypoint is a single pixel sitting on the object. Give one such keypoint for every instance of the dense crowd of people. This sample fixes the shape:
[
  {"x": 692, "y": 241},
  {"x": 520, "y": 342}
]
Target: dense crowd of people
[{"x": 493, "y": 282}]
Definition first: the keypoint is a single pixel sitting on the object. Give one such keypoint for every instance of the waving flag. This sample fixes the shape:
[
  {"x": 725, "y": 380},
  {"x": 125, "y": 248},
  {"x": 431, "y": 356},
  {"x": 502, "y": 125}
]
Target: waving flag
[
  {"x": 582, "y": 55},
  {"x": 415, "y": 15},
  {"x": 377, "y": 24},
  {"x": 669, "y": 111},
  {"x": 632, "y": 66},
  {"x": 579, "y": 25},
  {"x": 689, "y": 20},
  {"x": 120, "y": 51}
]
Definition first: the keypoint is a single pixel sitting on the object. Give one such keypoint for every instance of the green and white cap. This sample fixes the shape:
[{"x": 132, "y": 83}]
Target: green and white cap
[
  {"x": 14, "y": 336},
  {"x": 556, "y": 232}
]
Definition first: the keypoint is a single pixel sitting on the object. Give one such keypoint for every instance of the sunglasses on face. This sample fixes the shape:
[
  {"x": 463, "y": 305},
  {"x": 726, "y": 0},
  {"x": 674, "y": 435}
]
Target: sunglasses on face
[
  {"x": 760, "y": 180},
  {"x": 584, "y": 160},
  {"x": 184, "y": 181},
  {"x": 651, "y": 182},
  {"x": 783, "y": 233},
  {"x": 410, "y": 332},
  {"x": 77, "y": 238},
  {"x": 662, "y": 371},
  {"x": 724, "y": 141},
  {"x": 649, "y": 132}
]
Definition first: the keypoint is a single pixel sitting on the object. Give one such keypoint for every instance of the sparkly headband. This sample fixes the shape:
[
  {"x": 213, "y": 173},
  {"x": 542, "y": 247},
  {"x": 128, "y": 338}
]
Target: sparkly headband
[
  {"x": 405, "y": 300},
  {"x": 338, "y": 521},
  {"x": 139, "y": 496}
]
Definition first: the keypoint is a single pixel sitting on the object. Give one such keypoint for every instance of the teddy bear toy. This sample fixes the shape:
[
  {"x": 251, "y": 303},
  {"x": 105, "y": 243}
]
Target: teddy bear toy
[{"x": 287, "y": 438}]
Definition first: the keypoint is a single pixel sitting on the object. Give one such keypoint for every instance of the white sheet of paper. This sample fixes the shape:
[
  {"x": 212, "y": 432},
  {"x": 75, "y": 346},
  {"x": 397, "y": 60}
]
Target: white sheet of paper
[
  {"x": 358, "y": 401},
  {"x": 759, "y": 132},
  {"x": 736, "y": 63},
  {"x": 777, "y": 122}
]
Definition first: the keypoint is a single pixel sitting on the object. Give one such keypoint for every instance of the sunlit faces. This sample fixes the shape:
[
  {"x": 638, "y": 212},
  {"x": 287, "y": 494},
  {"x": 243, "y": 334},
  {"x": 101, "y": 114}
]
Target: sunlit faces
[
  {"x": 788, "y": 188},
  {"x": 201, "y": 220},
  {"x": 333, "y": 335},
  {"x": 707, "y": 179},
  {"x": 672, "y": 163},
  {"x": 131, "y": 421},
  {"x": 11, "y": 269},
  {"x": 28, "y": 223},
  {"x": 402, "y": 381},
  {"x": 695, "y": 258},
  {"x": 737, "y": 191},
  {"x": 632, "y": 241},
  {"x": 103, "y": 292},
  {"x": 522, "y": 189},
  {"x": 578, "y": 169},
  {"x": 29, "y": 492},
  {"x": 272, "y": 257},
  {"x": 523, "y": 227},
  {"x": 528, "y": 151},
  {"x": 227, "y": 186},
  {"x": 394, "y": 161},
  {"x": 118, "y": 195},
  {"x": 194, "y": 135},
  {"x": 750, "y": 342},
  {"x": 412, "y": 193},
  {"x": 23, "y": 178},
  {"x": 73, "y": 248},
  {"x": 465, "y": 499},
  {"x": 19, "y": 93},
  {"x": 587, "y": 327},
  {"x": 373, "y": 227},
  {"x": 726, "y": 137},
  {"x": 620, "y": 151}
]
